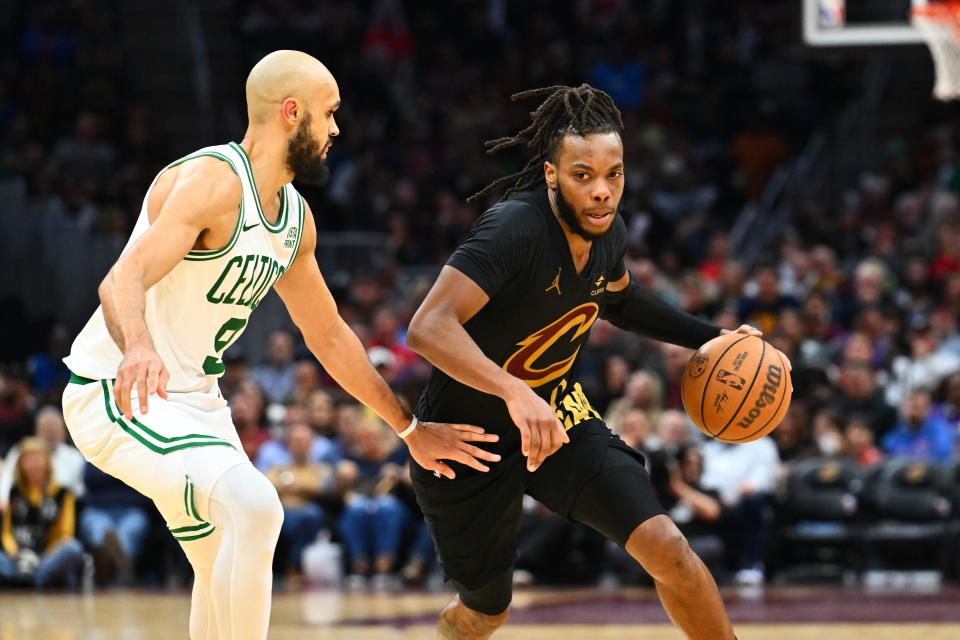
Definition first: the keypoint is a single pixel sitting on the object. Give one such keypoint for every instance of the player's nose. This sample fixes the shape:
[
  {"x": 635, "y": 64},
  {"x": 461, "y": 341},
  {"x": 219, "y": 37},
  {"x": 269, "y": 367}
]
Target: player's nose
[
  {"x": 334, "y": 130},
  {"x": 601, "y": 193}
]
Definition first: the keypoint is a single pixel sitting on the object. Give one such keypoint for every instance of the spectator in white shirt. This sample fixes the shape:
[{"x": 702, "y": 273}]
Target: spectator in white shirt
[{"x": 745, "y": 476}]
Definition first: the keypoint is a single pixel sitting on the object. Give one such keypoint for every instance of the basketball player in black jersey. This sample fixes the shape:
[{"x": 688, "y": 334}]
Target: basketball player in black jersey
[{"x": 504, "y": 325}]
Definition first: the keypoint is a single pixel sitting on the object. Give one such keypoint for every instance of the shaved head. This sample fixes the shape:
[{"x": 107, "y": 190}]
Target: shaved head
[
  {"x": 281, "y": 75},
  {"x": 294, "y": 93}
]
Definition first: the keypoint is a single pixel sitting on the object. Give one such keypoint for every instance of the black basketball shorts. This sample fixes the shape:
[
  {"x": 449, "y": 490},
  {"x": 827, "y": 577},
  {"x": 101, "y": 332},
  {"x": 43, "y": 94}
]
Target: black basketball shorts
[{"x": 595, "y": 479}]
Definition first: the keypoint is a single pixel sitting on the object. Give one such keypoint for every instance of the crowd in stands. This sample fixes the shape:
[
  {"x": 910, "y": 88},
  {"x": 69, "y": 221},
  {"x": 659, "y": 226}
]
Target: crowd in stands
[{"x": 862, "y": 294}]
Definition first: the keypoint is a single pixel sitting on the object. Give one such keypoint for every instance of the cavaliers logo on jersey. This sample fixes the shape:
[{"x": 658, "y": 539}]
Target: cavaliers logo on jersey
[{"x": 522, "y": 363}]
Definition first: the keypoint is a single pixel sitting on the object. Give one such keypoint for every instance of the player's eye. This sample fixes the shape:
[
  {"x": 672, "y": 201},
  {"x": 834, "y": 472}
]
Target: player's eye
[
  {"x": 580, "y": 175},
  {"x": 616, "y": 174}
]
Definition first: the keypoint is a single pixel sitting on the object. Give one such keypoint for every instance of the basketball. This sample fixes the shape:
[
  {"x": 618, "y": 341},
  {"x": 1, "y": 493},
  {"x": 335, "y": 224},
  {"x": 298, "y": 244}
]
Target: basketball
[{"x": 736, "y": 388}]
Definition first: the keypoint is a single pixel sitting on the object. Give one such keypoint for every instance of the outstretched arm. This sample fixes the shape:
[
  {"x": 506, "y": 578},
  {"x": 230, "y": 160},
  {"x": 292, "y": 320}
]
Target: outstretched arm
[
  {"x": 337, "y": 347},
  {"x": 637, "y": 309}
]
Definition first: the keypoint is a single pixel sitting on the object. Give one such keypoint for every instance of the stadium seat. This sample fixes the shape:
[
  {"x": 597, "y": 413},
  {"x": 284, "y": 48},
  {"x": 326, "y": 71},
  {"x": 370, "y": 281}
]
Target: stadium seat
[
  {"x": 951, "y": 489},
  {"x": 821, "y": 535},
  {"x": 909, "y": 515}
]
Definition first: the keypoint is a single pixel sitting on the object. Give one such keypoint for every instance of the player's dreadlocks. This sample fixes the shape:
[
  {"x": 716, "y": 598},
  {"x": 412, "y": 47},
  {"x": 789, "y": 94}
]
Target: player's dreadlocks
[{"x": 579, "y": 110}]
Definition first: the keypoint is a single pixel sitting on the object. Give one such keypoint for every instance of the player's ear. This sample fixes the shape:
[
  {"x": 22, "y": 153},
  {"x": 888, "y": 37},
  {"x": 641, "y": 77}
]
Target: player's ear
[
  {"x": 292, "y": 110},
  {"x": 550, "y": 174}
]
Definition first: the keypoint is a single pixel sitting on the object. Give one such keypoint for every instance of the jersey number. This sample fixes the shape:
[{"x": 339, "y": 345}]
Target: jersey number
[{"x": 230, "y": 331}]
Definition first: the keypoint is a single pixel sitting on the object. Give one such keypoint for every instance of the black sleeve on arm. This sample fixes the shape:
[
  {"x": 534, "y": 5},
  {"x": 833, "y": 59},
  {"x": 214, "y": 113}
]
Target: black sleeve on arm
[{"x": 642, "y": 311}]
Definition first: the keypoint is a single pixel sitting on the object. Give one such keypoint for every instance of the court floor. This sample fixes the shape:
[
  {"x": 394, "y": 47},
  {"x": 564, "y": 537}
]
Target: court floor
[{"x": 590, "y": 614}]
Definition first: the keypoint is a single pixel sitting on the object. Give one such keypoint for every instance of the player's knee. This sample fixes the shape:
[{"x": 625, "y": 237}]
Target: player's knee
[
  {"x": 252, "y": 502},
  {"x": 662, "y": 549}
]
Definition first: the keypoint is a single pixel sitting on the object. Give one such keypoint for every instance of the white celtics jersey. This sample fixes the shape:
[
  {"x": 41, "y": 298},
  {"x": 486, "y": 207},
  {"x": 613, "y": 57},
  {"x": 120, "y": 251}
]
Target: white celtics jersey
[{"x": 202, "y": 306}]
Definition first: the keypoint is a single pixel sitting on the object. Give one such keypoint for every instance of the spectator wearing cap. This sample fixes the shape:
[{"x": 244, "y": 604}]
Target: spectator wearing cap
[{"x": 920, "y": 433}]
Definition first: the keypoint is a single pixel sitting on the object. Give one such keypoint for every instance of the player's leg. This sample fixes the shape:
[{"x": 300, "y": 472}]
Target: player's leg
[
  {"x": 474, "y": 614},
  {"x": 246, "y": 508},
  {"x": 202, "y": 553},
  {"x": 474, "y": 521},
  {"x": 619, "y": 502}
]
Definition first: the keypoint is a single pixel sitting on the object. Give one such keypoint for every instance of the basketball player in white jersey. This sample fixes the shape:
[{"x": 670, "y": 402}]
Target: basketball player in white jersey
[{"x": 217, "y": 230}]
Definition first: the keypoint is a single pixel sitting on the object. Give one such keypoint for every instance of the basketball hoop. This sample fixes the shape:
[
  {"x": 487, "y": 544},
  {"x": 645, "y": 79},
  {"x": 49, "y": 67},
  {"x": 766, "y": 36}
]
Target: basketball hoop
[{"x": 939, "y": 24}]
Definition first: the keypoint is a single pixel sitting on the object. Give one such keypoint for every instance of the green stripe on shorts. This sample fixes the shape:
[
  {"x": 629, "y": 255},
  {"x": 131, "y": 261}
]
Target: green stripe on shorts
[{"x": 163, "y": 444}]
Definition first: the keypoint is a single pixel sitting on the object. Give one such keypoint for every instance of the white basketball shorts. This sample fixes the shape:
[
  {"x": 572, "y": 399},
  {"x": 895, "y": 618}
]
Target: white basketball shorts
[{"x": 174, "y": 454}]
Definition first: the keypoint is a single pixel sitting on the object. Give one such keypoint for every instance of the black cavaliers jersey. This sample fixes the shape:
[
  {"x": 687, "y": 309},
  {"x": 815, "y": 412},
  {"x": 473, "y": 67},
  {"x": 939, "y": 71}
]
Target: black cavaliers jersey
[{"x": 538, "y": 318}]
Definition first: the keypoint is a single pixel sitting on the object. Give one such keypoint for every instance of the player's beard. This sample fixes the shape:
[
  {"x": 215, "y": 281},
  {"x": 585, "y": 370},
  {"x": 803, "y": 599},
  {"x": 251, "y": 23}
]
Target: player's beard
[
  {"x": 305, "y": 156},
  {"x": 569, "y": 217}
]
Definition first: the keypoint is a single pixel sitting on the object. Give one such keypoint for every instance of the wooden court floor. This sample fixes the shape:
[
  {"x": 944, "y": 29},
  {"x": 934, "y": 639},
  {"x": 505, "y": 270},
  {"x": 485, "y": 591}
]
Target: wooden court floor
[{"x": 589, "y": 614}]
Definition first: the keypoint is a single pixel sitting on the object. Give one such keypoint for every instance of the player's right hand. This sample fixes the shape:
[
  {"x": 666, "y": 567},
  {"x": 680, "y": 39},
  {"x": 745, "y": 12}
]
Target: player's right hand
[
  {"x": 143, "y": 370},
  {"x": 432, "y": 442},
  {"x": 541, "y": 432}
]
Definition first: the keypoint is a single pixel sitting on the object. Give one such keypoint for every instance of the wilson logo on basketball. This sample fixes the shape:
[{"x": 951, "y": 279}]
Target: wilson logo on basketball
[
  {"x": 521, "y": 363},
  {"x": 768, "y": 395}
]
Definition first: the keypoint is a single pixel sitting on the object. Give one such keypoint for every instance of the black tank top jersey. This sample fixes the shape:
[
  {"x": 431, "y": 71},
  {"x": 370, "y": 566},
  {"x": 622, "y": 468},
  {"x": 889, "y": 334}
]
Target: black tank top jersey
[{"x": 538, "y": 318}]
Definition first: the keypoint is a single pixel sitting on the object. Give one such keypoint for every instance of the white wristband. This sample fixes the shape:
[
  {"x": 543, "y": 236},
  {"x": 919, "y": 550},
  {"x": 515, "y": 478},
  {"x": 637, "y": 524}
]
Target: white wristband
[{"x": 406, "y": 432}]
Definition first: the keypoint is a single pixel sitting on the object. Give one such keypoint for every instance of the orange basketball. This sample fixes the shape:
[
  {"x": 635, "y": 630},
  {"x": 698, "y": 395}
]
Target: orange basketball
[{"x": 736, "y": 388}]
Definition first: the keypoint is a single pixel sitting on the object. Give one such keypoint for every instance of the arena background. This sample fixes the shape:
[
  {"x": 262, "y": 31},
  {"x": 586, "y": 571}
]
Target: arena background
[{"x": 810, "y": 191}]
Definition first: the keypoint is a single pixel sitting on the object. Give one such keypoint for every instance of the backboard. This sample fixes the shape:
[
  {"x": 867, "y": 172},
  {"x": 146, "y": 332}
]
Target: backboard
[{"x": 846, "y": 23}]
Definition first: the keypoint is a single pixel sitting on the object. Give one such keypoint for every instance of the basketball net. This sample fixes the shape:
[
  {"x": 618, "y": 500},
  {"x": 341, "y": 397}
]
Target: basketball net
[{"x": 939, "y": 24}]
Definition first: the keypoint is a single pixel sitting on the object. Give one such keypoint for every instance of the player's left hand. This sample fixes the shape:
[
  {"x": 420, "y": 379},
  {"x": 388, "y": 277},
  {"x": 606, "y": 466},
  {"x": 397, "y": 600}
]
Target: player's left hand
[
  {"x": 753, "y": 331},
  {"x": 433, "y": 442},
  {"x": 744, "y": 328}
]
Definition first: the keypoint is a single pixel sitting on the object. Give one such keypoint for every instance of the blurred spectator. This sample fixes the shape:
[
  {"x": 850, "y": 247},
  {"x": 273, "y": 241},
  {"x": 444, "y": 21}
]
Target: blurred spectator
[
  {"x": 277, "y": 377},
  {"x": 38, "y": 527},
  {"x": 695, "y": 509},
  {"x": 307, "y": 381},
  {"x": 114, "y": 525},
  {"x": 300, "y": 483},
  {"x": 828, "y": 433},
  {"x": 372, "y": 521},
  {"x": 321, "y": 414},
  {"x": 635, "y": 429},
  {"x": 274, "y": 453},
  {"x": 948, "y": 407},
  {"x": 920, "y": 433},
  {"x": 252, "y": 434},
  {"x": 643, "y": 391},
  {"x": 924, "y": 367},
  {"x": 67, "y": 462},
  {"x": 16, "y": 403},
  {"x": 860, "y": 395},
  {"x": 860, "y": 442},
  {"x": 762, "y": 309},
  {"x": 744, "y": 475},
  {"x": 793, "y": 438},
  {"x": 675, "y": 360}
]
